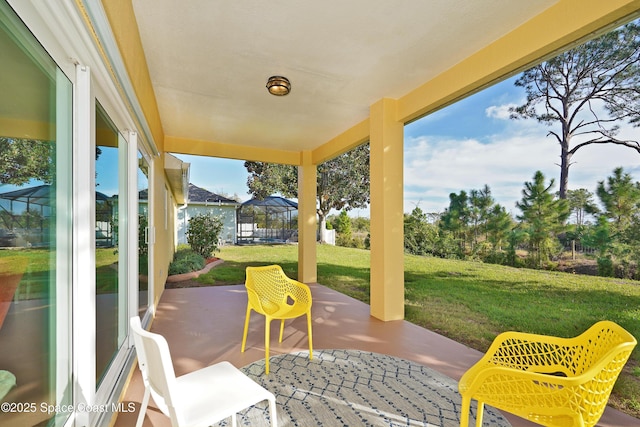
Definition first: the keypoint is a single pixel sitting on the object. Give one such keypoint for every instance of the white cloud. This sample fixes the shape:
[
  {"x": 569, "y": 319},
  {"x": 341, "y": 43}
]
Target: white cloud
[
  {"x": 499, "y": 111},
  {"x": 435, "y": 167}
]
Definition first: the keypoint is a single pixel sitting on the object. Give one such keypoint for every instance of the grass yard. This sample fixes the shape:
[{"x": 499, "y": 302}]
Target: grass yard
[
  {"x": 472, "y": 302},
  {"x": 34, "y": 267}
]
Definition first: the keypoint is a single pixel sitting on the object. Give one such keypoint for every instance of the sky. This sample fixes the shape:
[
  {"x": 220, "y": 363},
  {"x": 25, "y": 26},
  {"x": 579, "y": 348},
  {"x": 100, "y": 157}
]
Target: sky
[{"x": 463, "y": 147}]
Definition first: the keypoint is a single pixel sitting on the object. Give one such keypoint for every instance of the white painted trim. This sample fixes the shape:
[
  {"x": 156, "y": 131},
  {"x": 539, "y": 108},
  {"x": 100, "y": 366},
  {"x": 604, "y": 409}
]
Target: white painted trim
[
  {"x": 103, "y": 30},
  {"x": 127, "y": 252},
  {"x": 151, "y": 311},
  {"x": 84, "y": 269},
  {"x": 132, "y": 216},
  {"x": 62, "y": 316}
]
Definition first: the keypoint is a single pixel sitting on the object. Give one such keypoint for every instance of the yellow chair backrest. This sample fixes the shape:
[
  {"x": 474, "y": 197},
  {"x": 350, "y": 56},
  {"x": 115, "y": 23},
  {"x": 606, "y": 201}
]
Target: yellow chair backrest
[
  {"x": 269, "y": 289},
  {"x": 549, "y": 380}
]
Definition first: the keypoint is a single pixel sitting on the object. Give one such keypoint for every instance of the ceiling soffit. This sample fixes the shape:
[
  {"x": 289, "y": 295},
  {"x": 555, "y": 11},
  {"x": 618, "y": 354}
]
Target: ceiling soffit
[{"x": 209, "y": 61}]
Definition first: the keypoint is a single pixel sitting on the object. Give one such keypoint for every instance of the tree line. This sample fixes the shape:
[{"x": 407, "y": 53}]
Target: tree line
[{"x": 474, "y": 226}]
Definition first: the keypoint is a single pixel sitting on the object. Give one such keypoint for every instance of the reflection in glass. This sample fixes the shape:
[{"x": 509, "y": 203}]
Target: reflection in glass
[
  {"x": 143, "y": 234},
  {"x": 35, "y": 227},
  {"x": 111, "y": 262}
]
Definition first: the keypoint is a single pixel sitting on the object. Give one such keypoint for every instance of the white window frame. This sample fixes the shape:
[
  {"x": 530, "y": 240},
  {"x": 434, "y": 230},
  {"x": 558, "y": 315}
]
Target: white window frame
[{"x": 61, "y": 28}]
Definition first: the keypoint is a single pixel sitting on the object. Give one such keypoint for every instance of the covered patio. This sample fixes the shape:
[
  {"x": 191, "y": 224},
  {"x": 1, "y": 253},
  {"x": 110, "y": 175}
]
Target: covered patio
[
  {"x": 191, "y": 319},
  {"x": 354, "y": 76},
  {"x": 141, "y": 79}
]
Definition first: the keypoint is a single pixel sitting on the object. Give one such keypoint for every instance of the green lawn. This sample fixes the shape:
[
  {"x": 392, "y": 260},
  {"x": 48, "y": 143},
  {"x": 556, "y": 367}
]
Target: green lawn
[
  {"x": 35, "y": 267},
  {"x": 471, "y": 302}
]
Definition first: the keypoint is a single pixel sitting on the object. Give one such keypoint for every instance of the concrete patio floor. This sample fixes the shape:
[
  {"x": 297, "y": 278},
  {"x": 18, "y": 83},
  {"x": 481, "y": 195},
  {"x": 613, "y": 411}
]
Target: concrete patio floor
[{"x": 204, "y": 326}]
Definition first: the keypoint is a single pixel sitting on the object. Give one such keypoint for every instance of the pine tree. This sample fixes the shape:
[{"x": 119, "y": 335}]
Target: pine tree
[
  {"x": 620, "y": 197},
  {"x": 581, "y": 203},
  {"x": 480, "y": 203},
  {"x": 567, "y": 91},
  {"x": 343, "y": 228},
  {"x": 617, "y": 234},
  {"x": 456, "y": 217},
  {"x": 498, "y": 226},
  {"x": 543, "y": 215}
]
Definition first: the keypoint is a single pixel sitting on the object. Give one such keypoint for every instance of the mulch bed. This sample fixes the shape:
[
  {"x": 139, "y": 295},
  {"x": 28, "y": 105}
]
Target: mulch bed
[
  {"x": 190, "y": 283},
  {"x": 186, "y": 284}
]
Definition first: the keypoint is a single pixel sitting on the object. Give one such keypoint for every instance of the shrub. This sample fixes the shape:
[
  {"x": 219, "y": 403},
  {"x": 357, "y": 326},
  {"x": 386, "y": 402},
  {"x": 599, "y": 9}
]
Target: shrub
[
  {"x": 357, "y": 242},
  {"x": 343, "y": 228},
  {"x": 203, "y": 234},
  {"x": 496, "y": 257},
  {"x": 186, "y": 261},
  {"x": 183, "y": 247},
  {"x": 343, "y": 240},
  {"x": 605, "y": 267},
  {"x": 625, "y": 269},
  {"x": 420, "y": 237}
]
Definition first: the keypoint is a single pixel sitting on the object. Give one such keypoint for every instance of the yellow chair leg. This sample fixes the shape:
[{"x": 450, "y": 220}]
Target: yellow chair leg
[
  {"x": 480, "y": 414},
  {"x": 246, "y": 329},
  {"x": 267, "y": 333},
  {"x": 310, "y": 335},
  {"x": 464, "y": 412},
  {"x": 281, "y": 329}
]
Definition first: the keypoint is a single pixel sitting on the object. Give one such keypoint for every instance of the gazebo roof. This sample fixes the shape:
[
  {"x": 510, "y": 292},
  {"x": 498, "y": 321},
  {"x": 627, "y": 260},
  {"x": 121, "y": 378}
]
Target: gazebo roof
[{"x": 38, "y": 195}]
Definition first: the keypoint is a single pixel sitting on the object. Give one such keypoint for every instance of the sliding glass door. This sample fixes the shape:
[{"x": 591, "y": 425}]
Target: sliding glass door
[
  {"x": 144, "y": 247},
  {"x": 111, "y": 246},
  {"x": 35, "y": 230}
]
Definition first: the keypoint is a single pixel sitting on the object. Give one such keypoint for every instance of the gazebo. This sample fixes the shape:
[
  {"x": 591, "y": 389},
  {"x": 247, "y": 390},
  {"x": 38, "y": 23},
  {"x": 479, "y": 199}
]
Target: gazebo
[
  {"x": 24, "y": 216},
  {"x": 270, "y": 220},
  {"x": 25, "y": 213}
]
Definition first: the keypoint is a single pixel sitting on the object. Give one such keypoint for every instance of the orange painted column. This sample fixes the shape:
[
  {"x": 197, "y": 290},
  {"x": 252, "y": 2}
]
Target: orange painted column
[{"x": 387, "y": 213}]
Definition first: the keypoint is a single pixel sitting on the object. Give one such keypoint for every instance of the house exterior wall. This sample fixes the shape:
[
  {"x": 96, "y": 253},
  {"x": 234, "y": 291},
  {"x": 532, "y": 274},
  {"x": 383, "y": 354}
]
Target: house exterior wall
[
  {"x": 162, "y": 214},
  {"x": 73, "y": 78},
  {"x": 227, "y": 213}
]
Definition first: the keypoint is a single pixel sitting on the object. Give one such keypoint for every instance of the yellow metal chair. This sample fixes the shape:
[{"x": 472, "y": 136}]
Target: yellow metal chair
[
  {"x": 276, "y": 296},
  {"x": 548, "y": 380}
]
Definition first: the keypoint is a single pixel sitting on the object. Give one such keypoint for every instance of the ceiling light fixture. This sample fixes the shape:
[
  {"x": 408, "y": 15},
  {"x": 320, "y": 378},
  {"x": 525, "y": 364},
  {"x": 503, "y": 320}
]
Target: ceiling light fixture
[{"x": 278, "y": 86}]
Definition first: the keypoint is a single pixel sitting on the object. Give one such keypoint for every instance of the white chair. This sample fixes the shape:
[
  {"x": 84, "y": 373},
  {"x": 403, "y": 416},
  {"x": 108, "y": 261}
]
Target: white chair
[{"x": 200, "y": 398}]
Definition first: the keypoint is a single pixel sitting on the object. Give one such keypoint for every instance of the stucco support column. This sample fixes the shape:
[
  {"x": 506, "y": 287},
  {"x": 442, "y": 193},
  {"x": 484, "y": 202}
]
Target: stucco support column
[
  {"x": 307, "y": 220},
  {"x": 387, "y": 219}
]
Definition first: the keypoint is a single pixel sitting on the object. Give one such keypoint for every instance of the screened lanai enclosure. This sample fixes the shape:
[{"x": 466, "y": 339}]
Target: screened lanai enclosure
[
  {"x": 270, "y": 220},
  {"x": 25, "y": 216}
]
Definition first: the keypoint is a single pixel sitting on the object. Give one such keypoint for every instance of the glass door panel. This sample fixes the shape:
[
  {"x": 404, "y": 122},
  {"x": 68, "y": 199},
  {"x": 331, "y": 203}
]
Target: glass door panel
[
  {"x": 111, "y": 247},
  {"x": 143, "y": 235},
  {"x": 35, "y": 229}
]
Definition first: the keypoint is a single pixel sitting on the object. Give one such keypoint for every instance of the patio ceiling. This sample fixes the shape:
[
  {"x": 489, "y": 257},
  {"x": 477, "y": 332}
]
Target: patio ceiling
[{"x": 209, "y": 61}]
